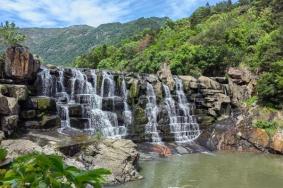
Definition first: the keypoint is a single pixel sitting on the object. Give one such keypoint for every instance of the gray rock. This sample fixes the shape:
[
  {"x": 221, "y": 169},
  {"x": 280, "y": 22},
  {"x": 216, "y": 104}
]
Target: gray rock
[{"x": 9, "y": 124}]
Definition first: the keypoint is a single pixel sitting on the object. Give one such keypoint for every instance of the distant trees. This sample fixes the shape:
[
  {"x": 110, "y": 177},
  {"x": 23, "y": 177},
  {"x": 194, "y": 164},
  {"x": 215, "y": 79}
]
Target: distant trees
[{"x": 9, "y": 34}]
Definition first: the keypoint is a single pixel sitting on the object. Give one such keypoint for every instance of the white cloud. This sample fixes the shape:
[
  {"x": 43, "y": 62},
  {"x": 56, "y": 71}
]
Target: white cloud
[
  {"x": 48, "y": 13},
  {"x": 182, "y": 8}
]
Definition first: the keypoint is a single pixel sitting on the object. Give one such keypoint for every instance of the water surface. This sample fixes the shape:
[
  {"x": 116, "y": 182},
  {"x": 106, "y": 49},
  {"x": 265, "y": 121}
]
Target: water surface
[{"x": 220, "y": 170}]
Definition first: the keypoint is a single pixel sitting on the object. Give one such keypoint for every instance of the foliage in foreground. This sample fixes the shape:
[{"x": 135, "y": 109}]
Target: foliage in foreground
[
  {"x": 9, "y": 34},
  {"x": 40, "y": 170}
]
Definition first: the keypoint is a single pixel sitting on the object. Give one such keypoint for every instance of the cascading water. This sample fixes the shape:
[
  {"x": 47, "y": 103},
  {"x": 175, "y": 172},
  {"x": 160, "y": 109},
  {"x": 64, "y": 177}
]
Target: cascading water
[
  {"x": 83, "y": 93},
  {"x": 90, "y": 104},
  {"x": 127, "y": 113},
  {"x": 151, "y": 113},
  {"x": 184, "y": 127}
]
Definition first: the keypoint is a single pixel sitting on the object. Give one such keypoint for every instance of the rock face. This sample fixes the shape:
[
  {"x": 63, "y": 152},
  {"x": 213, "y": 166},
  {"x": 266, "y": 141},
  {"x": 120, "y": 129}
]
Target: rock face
[
  {"x": 241, "y": 83},
  {"x": 120, "y": 156},
  {"x": 20, "y": 64},
  {"x": 237, "y": 133}
]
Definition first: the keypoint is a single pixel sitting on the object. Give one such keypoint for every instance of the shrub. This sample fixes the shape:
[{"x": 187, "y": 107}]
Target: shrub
[
  {"x": 40, "y": 170},
  {"x": 269, "y": 126},
  {"x": 9, "y": 34},
  {"x": 251, "y": 101},
  {"x": 3, "y": 154}
]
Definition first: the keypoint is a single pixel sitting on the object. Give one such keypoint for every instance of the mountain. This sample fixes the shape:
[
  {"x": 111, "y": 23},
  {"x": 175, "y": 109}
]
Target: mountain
[{"x": 60, "y": 45}]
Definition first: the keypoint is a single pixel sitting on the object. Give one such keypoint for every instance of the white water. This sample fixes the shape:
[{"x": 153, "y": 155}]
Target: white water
[
  {"x": 98, "y": 105},
  {"x": 84, "y": 93},
  {"x": 151, "y": 113},
  {"x": 185, "y": 127}
]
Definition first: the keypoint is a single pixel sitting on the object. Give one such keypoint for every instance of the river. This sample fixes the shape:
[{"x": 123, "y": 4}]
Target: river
[{"x": 219, "y": 170}]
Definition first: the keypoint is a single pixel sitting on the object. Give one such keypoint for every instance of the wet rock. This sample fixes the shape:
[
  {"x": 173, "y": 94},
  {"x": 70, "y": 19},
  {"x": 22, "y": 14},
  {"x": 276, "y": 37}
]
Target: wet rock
[
  {"x": 8, "y": 105},
  {"x": 9, "y": 124},
  {"x": 31, "y": 124},
  {"x": 44, "y": 103},
  {"x": 20, "y": 92},
  {"x": 75, "y": 110},
  {"x": 80, "y": 123},
  {"x": 181, "y": 150},
  {"x": 3, "y": 90},
  {"x": 50, "y": 121},
  {"x": 20, "y": 64},
  {"x": 2, "y": 136},
  {"x": 28, "y": 114},
  {"x": 112, "y": 103}
]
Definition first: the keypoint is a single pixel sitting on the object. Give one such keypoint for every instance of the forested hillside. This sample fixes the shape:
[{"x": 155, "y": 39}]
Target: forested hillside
[
  {"x": 61, "y": 45},
  {"x": 248, "y": 34}
]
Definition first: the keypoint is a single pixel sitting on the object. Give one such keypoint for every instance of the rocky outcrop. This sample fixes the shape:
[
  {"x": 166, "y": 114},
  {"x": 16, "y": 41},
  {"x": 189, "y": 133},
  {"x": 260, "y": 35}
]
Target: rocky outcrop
[
  {"x": 239, "y": 133},
  {"x": 241, "y": 83},
  {"x": 20, "y": 65},
  {"x": 211, "y": 98},
  {"x": 120, "y": 156}
]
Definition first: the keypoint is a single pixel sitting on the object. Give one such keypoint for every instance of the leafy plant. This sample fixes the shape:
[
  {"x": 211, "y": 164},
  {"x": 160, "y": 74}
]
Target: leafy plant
[
  {"x": 251, "y": 101},
  {"x": 269, "y": 126},
  {"x": 9, "y": 34},
  {"x": 40, "y": 170},
  {"x": 3, "y": 154}
]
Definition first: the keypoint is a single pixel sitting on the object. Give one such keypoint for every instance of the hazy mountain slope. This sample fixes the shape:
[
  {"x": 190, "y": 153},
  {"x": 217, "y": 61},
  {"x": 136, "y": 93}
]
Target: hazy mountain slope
[{"x": 61, "y": 45}]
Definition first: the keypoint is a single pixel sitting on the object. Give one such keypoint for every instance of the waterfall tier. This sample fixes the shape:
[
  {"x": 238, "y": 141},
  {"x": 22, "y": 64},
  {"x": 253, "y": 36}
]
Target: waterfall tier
[{"x": 119, "y": 105}]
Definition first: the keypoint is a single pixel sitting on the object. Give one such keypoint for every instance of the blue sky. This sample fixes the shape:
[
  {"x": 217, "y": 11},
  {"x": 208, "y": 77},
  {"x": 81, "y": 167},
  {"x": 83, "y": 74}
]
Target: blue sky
[{"x": 62, "y": 13}]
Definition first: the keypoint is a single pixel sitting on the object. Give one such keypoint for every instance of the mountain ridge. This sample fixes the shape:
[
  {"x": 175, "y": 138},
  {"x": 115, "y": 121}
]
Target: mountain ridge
[{"x": 61, "y": 45}]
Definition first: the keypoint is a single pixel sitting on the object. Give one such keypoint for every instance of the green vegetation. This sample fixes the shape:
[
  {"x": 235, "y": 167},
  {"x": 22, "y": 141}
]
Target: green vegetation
[
  {"x": 40, "y": 170},
  {"x": 251, "y": 101},
  {"x": 269, "y": 126},
  {"x": 3, "y": 154},
  {"x": 247, "y": 33},
  {"x": 61, "y": 45},
  {"x": 9, "y": 34}
]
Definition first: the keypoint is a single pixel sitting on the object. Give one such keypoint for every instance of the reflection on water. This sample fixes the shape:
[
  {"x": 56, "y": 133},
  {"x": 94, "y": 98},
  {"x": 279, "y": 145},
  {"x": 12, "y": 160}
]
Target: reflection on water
[{"x": 223, "y": 170}]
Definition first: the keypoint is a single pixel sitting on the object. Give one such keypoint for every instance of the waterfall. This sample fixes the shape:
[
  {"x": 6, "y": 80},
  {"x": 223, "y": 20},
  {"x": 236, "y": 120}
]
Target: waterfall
[
  {"x": 127, "y": 113},
  {"x": 93, "y": 102},
  {"x": 82, "y": 92},
  {"x": 151, "y": 113},
  {"x": 185, "y": 128}
]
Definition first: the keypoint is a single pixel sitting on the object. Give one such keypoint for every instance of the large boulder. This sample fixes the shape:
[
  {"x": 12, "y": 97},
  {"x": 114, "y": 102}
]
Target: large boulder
[
  {"x": 166, "y": 76},
  {"x": 20, "y": 64},
  {"x": 241, "y": 84},
  {"x": 208, "y": 83},
  {"x": 120, "y": 156},
  {"x": 20, "y": 92}
]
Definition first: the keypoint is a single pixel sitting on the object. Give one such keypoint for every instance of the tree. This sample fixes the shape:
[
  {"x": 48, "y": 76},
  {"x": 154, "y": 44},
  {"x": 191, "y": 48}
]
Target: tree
[{"x": 9, "y": 34}]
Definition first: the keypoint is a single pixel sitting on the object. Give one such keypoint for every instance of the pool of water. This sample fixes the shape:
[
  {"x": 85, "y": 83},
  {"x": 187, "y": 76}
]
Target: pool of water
[{"x": 219, "y": 170}]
